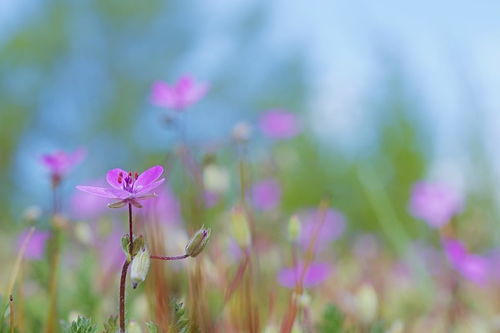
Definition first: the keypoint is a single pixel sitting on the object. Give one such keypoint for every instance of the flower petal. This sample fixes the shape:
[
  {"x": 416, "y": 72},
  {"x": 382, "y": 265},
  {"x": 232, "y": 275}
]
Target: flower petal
[
  {"x": 104, "y": 192},
  {"x": 163, "y": 95},
  {"x": 144, "y": 190},
  {"x": 147, "y": 177},
  {"x": 112, "y": 177}
]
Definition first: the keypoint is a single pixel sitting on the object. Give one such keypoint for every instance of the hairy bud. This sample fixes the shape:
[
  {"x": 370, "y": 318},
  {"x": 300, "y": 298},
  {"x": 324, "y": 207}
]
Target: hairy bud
[
  {"x": 140, "y": 267},
  {"x": 198, "y": 242}
]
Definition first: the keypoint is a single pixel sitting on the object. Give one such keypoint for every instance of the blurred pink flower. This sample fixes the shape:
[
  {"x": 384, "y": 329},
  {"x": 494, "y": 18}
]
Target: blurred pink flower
[
  {"x": 165, "y": 209},
  {"x": 434, "y": 203},
  {"x": 326, "y": 231},
  {"x": 127, "y": 187},
  {"x": 60, "y": 162},
  {"x": 185, "y": 92},
  {"x": 111, "y": 256},
  {"x": 473, "y": 267},
  {"x": 211, "y": 198},
  {"x": 35, "y": 248},
  {"x": 314, "y": 275},
  {"x": 266, "y": 194},
  {"x": 86, "y": 207},
  {"x": 279, "y": 124}
]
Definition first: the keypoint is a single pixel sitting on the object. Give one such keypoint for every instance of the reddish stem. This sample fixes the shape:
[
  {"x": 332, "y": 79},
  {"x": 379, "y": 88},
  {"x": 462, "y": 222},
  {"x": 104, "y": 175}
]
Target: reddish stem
[
  {"x": 184, "y": 256},
  {"x": 123, "y": 277}
]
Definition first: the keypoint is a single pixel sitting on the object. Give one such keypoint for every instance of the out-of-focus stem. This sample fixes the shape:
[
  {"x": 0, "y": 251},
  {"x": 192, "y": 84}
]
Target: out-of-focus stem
[
  {"x": 184, "y": 256},
  {"x": 55, "y": 257},
  {"x": 11, "y": 314},
  {"x": 123, "y": 277}
]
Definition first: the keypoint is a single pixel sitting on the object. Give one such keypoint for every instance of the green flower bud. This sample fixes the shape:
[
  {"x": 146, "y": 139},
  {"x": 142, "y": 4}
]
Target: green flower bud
[
  {"x": 198, "y": 242},
  {"x": 239, "y": 227},
  {"x": 140, "y": 267},
  {"x": 294, "y": 228},
  {"x": 125, "y": 243}
]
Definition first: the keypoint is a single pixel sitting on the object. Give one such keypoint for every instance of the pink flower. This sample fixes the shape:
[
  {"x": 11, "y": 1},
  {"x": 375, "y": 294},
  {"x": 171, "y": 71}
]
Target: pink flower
[
  {"x": 434, "y": 203},
  {"x": 327, "y": 227},
  {"x": 35, "y": 248},
  {"x": 314, "y": 275},
  {"x": 266, "y": 194},
  {"x": 60, "y": 162},
  {"x": 185, "y": 92},
  {"x": 127, "y": 187},
  {"x": 279, "y": 124},
  {"x": 473, "y": 267}
]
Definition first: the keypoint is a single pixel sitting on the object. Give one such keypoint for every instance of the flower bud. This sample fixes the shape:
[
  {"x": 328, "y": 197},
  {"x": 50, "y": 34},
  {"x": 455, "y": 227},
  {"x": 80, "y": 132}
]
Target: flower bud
[
  {"x": 366, "y": 303},
  {"x": 242, "y": 132},
  {"x": 198, "y": 242},
  {"x": 140, "y": 267},
  {"x": 294, "y": 228},
  {"x": 125, "y": 244},
  {"x": 239, "y": 227}
]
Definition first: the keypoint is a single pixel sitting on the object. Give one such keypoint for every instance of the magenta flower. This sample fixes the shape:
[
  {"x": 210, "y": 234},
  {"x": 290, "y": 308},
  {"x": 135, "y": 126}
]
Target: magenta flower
[
  {"x": 35, "y": 248},
  {"x": 266, "y": 194},
  {"x": 279, "y": 124},
  {"x": 473, "y": 267},
  {"x": 128, "y": 187},
  {"x": 185, "y": 92},
  {"x": 60, "y": 162},
  {"x": 434, "y": 203},
  {"x": 314, "y": 275},
  {"x": 327, "y": 227}
]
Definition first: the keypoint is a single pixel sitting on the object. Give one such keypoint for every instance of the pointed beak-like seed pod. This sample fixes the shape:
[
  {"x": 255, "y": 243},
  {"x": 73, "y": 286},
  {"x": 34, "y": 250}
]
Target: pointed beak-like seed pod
[
  {"x": 198, "y": 242},
  {"x": 140, "y": 267}
]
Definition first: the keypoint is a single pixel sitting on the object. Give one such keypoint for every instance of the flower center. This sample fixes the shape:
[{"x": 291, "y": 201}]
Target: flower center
[{"x": 127, "y": 180}]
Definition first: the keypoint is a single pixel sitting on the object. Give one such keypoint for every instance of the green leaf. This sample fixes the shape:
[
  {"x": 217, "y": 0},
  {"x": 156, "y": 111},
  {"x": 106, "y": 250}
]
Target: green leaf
[
  {"x": 152, "y": 328},
  {"x": 332, "y": 321},
  {"x": 82, "y": 325},
  {"x": 111, "y": 326}
]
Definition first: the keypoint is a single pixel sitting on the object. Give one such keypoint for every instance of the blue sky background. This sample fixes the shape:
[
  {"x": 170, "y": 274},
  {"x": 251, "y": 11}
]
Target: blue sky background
[{"x": 448, "y": 50}]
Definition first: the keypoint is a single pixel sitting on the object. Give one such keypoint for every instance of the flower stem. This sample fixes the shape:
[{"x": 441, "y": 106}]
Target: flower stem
[
  {"x": 123, "y": 277},
  {"x": 122, "y": 295},
  {"x": 184, "y": 256}
]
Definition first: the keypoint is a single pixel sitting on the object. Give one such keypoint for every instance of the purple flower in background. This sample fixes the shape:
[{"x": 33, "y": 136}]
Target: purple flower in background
[
  {"x": 166, "y": 208},
  {"x": 35, "y": 247},
  {"x": 327, "y": 226},
  {"x": 279, "y": 124},
  {"x": 314, "y": 275},
  {"x": 434, "y": 203},
  {"x": 471, "y": 266},
  {"x": 266, "y": 194},
  {"x": 185, "y": 92},
  {"x": 86, "y": 207},
  {"x": 60, "y": 162},
  {"x": 111, "y": 256},
  {"x": 127, "y": 187}
]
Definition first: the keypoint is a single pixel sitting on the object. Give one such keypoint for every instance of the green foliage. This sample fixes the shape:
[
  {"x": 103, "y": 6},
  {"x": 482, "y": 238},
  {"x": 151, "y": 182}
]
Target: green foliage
[
  {"x": 333, "y": 320},
  {"x": 81, "y": 325},
  {"x": 378, "y": 327},
  {"x": 111, "y": 325},
  {"x": 181, "y": 321},
  {"x": 152, "y": 328}
]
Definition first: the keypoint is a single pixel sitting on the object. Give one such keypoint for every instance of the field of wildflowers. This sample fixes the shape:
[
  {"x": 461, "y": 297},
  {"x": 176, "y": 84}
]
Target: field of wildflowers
[{"x": 137, "y": 196}]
